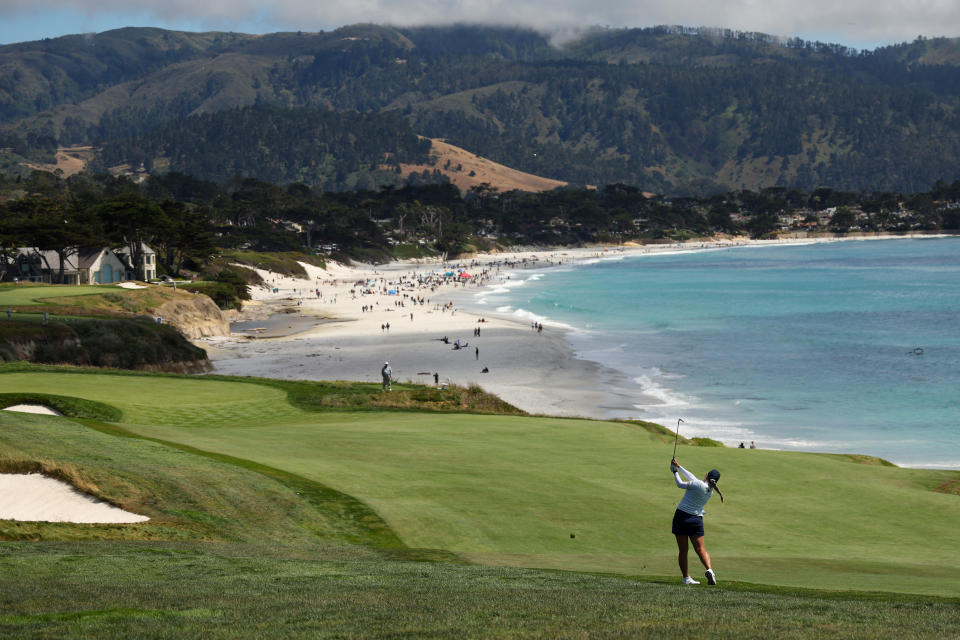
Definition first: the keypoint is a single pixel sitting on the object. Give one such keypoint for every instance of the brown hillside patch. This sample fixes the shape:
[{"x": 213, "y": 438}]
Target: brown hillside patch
[
  {"x": 69, "y": 160},
  {"x": 863, "y": 459},
  {"x": 458, "y": 164},
  {"x": 950, "y": 486}
]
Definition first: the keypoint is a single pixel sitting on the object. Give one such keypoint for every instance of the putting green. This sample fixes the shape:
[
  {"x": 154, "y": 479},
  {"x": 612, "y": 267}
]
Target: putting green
[
  {"x": 21, "y": 295},
  {"x": 512, "y": 490}
]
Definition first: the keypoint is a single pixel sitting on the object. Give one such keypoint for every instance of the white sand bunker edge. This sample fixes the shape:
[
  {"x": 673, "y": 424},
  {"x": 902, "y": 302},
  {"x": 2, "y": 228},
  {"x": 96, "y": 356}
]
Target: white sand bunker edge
[
  {"x": 33, "y": 497},
  {"x": 33, "y": 408}
]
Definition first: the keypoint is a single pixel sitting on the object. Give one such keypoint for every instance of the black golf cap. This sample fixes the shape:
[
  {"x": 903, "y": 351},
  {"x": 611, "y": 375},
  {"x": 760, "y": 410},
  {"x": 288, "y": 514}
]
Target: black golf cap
[{"x": 713, "y": 475}]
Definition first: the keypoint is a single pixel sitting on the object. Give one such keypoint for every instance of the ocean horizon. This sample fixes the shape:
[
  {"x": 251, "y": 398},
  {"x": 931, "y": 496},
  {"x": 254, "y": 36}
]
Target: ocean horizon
[{"x": 838, "y": 347}]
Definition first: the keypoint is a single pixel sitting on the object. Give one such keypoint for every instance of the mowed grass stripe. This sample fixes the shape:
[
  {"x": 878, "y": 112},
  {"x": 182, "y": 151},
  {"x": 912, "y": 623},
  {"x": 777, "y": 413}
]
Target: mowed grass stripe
[
  {"x": 26, "y": 295},
  {"x": 188, "y": 494},
  {"x": 232, "y": 590},
  {"x": 167, "y": 400},
  {"x": 489, "y": 488},
  {"x": 512, "y": 489}
]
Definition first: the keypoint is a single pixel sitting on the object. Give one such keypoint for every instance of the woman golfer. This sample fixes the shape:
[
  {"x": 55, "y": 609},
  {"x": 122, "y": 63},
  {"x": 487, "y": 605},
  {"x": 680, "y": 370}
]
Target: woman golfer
[{"x": 688, "y": 519}]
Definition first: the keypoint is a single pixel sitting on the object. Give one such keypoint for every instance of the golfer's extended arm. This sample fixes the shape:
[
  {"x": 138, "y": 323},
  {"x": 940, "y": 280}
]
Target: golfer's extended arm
[{"x": 681, "y": 483}]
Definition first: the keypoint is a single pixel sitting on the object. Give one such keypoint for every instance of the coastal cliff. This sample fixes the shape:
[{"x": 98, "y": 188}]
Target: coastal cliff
[{"x": 195, "y": 317}]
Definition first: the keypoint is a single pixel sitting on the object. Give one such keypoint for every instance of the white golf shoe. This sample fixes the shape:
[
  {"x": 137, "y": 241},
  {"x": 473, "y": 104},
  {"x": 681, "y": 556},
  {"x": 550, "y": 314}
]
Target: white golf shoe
[
  {"x": 711, "y": 576},
  {"x": 689, "y": 580}
]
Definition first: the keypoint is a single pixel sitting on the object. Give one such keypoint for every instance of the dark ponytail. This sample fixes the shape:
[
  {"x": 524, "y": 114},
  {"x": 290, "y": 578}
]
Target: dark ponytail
[{"x": 713, "y": 485}]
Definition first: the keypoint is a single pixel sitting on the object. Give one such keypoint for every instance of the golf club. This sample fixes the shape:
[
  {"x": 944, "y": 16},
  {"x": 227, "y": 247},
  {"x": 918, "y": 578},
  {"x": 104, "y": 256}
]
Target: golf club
[{"x": 679, "y": 420}]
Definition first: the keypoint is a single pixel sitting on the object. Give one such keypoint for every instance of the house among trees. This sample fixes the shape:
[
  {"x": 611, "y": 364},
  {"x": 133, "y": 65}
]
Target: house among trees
[
  {"x": 73, "y": 266},
  {"x": 141, "y": 265}
]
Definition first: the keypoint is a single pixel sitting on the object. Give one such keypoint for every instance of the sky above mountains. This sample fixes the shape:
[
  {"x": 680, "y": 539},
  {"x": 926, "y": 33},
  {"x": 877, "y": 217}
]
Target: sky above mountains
[{"x": 855, "y": 23}]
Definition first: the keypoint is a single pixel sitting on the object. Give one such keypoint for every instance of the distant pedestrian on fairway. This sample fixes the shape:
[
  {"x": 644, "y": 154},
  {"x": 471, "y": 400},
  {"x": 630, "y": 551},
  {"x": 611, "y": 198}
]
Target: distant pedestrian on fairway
[
  {"x": 386, "y": 373},
  {"x": 688, "y": 518}
]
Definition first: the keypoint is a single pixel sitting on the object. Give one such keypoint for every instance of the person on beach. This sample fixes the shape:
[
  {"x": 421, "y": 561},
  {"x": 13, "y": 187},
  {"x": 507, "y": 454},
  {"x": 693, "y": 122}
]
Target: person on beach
[
  {"x": 386, "y": 373},
  {"x": 688, "y": 518}
]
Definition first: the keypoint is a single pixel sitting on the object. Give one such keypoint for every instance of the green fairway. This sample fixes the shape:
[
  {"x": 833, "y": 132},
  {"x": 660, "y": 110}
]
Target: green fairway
[
  {"x": 511, "y": 490},
  {"x": 26, "y": 295}
]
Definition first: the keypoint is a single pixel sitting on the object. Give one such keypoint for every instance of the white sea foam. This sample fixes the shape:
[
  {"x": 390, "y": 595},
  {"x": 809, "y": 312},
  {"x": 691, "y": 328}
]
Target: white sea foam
[
  {"x": 945, "y": 464},
  {"x": 664, "y": 397},
  {"x": 529, "y": 316},
  {"x": 492, "y": 291},
  {"x": 504, "y": 286}
]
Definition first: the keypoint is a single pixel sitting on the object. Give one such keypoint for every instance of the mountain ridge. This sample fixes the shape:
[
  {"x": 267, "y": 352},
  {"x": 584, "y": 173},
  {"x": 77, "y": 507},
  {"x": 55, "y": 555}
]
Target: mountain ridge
[{"x": 668, "y": 109}]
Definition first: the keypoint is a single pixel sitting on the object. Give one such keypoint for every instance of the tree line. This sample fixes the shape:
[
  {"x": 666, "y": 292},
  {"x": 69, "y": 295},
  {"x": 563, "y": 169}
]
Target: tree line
[{"x": 189, "y": 221}]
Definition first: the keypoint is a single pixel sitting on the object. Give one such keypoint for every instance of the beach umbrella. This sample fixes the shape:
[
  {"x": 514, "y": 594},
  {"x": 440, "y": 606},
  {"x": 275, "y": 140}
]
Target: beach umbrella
[
  {"x": 393, "y": 292},
  {"x": 464, "y": 274}
]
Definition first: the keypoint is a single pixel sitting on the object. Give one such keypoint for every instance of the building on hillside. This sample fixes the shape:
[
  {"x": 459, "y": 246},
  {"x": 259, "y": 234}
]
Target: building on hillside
[
  {"x": 146, "y": 270},
  {"x": 102, "y": 267},
  {"x": 98, "y": 266}
]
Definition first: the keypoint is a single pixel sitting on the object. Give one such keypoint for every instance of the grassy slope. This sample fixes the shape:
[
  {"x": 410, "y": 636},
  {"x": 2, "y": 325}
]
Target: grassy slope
[
  {"x": 86, "y": 299},
  {"x": 241, "y": 591},
  {"x": 285, "y": 263},
  {"x": 510, "y": 490},
  {"x": 476, "y": 170},
  {"x": 28, "y": 295}
]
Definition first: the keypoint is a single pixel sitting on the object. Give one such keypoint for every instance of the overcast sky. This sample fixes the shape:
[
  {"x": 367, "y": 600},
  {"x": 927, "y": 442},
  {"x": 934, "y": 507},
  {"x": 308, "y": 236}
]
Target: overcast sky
[{"x": 855, "y": 23}]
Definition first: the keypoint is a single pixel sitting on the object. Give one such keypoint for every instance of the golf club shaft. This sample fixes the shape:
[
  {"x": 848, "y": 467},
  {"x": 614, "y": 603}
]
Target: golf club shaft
[{"x": 676, "y": 438}]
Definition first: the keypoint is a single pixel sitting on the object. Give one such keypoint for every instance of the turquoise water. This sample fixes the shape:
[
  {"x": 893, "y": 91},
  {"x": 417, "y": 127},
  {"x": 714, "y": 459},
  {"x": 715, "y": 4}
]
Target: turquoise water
[{"x": 809, "y": 347}]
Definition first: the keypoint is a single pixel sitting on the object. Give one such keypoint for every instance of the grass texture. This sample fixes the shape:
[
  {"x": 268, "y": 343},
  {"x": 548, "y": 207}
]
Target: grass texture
[
  {"x": 510, "y": 490},
  {"x": 362, "y": 524}
]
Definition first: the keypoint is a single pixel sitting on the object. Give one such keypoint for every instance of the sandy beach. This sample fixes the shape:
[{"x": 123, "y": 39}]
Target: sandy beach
[{"x": 344, "y": 322}]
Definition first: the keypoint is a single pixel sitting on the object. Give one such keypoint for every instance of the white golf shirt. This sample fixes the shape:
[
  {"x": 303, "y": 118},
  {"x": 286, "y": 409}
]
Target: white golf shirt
[{"x": 698, "y": 492}]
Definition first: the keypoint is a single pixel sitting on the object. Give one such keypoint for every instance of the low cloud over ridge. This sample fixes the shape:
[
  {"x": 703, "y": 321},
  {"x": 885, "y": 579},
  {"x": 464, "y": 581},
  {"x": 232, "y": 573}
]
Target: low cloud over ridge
[{"x": 859, "y": 23}]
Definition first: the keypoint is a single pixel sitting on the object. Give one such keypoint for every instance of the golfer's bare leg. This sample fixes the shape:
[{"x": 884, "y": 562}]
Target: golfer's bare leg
[
  {"x": 682, "y": 557},
  {"x": 701, "y": 550}
]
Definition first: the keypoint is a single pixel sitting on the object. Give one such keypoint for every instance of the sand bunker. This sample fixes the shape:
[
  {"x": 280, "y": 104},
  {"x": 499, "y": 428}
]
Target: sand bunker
[
  {"x": 33, "y": 408},
  {"x": 131, "y": 285},
  {"x": 36, "y": 498}
]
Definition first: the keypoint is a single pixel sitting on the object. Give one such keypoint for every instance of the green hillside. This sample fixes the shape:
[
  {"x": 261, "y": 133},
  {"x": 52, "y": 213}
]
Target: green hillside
[
  {"x": 272, "y": 519},
  {"x": 510, "y": 490},
  {"x": 666, "y": 109},
  {"x": 332, "y": 150}
]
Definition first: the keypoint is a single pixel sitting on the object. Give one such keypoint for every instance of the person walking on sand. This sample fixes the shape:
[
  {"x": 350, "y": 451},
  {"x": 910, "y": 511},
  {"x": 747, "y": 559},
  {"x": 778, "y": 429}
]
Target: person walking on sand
[
  {"x": 688, "y": 518},
  {"x": 476, "y": 352},
  {"x": 386, "y": 373}
]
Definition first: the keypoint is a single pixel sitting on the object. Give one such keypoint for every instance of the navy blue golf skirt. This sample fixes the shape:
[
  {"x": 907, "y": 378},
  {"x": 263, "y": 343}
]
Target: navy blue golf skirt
[{"x": 686, "y": 524}]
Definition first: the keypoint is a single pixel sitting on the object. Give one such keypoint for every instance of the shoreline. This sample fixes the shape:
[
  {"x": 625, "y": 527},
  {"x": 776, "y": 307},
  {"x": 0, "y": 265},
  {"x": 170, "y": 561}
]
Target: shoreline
[{"x": 539, "y": 372}]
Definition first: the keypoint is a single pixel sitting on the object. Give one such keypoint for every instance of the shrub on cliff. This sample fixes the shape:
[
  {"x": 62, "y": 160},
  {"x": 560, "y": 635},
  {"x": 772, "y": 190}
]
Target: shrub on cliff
[{"x": 103, "y": 342}]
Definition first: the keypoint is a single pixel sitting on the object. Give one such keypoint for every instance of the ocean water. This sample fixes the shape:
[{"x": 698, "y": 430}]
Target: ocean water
[{"x": 844, "y": 347}]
